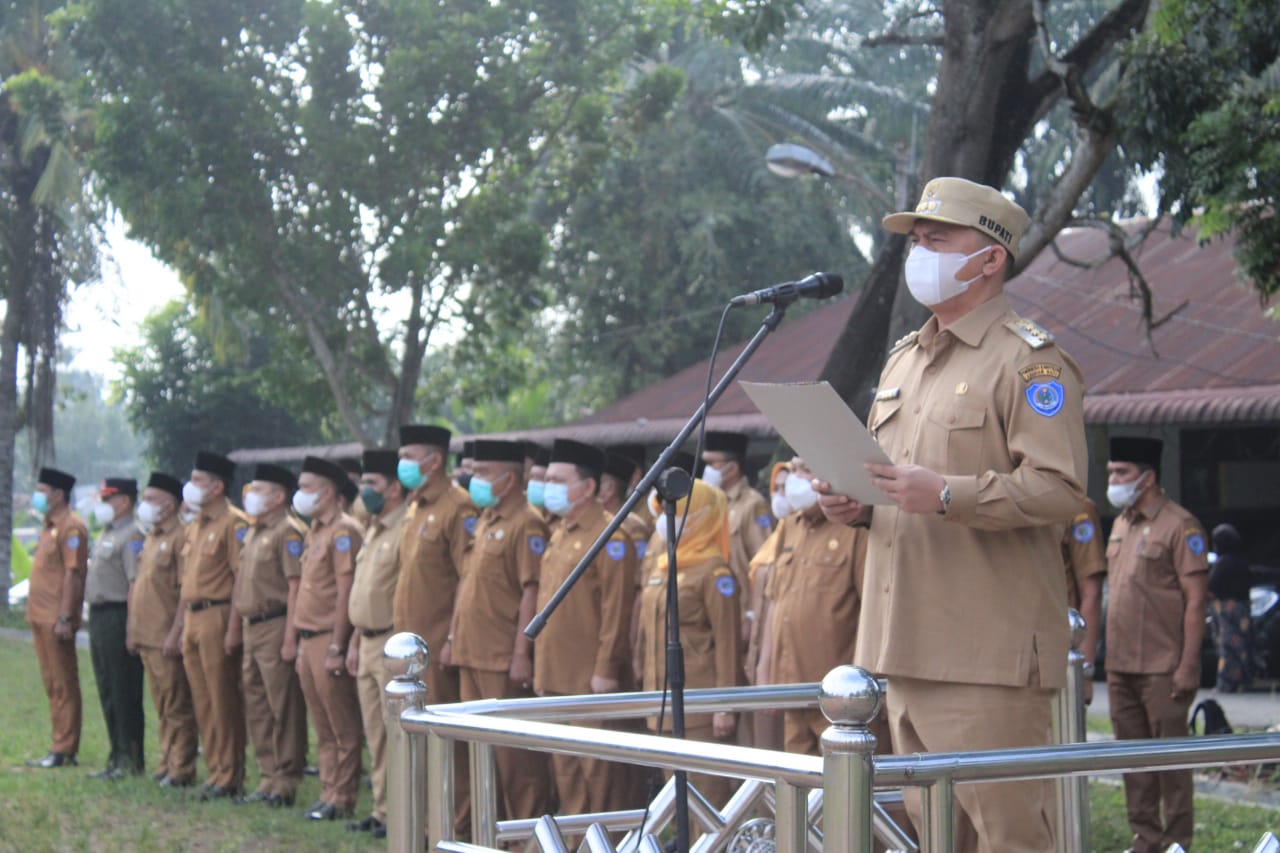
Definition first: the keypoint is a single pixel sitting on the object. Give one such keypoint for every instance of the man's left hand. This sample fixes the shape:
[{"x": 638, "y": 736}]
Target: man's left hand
[
  {"x": 600, "y": 684},
  {"x": 912, "y": 488},
  {"x": 1186, "y": 681}
]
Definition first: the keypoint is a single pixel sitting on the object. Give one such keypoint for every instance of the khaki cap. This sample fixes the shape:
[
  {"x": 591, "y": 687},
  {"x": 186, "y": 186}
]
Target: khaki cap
[{"x": 961, "y": 202}]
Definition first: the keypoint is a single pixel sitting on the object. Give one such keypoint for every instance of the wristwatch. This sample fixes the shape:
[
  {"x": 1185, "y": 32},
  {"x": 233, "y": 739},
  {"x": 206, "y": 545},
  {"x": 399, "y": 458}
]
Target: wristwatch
[
  {"x": 945, "y": 497},
  {"x": 335, "y": 651},
  {"x": 1087, "y": 669},
  {"x": 63, "y": 620}
]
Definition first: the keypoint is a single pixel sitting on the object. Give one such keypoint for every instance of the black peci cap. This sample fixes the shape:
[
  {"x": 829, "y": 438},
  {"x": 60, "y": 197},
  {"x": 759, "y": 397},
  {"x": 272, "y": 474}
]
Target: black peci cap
[
  {"x": 436, "y": 436},
  {"x": 56, "y": 479},
  {"x": 349, "y": 491},
  {"x": 734, "y": 443},
  {"x": 328, "y": 470},
  {"x": 215, "y": 464},
  {"x": 382, "y": 462},
  {"x": 622, "y": 467},
  {"x": 351, "y": 466},
  {"x": 1139, "y": 451},
  {"x": 275, "y": 474},
  {"x": 166, "y": 483},
  {"x": 634, "y": 452},
  {"x": 579, "y": 454},
  {"x": 489, "y": 450}
]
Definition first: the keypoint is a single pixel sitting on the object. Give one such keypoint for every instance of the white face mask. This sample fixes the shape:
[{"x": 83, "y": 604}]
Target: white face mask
[
  {"x": 306, "y": 503},
  {"x": 931, "y": 276},
  {"x": 713, "y": 477},
  {"x": 188, "y": 516},
  {"x": 800, "y": 493},
  {"x": 255, "y": 504},
  {"x": 193, "y": 494},
  {"x": 780, "y": 506},
  {"x": 148, "y": 513},
  {"x": 104, "y": 513},
  {"x": 664, "y": 533},
  {"x": 1124, "y": 495}
]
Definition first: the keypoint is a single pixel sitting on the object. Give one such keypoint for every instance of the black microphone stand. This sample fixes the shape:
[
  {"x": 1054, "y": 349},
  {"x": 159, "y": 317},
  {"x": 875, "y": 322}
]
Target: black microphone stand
[{"x": 660, "y": 476}]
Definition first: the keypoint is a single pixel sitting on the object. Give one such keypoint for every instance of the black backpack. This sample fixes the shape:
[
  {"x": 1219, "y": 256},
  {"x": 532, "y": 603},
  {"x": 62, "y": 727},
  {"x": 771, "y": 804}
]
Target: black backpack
[{"x": 1215, "y": 719}]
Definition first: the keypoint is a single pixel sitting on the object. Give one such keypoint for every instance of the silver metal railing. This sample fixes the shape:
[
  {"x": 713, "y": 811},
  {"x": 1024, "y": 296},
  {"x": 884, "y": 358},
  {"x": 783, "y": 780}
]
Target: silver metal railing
[{"x": 847, "y": 786}]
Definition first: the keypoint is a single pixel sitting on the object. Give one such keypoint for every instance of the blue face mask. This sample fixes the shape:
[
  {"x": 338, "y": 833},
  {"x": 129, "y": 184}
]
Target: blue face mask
[
  {"x": 534, "y": 492},
  {"x": 557, "y": 498},
  {"x": 410, "y": 475},
  {"x": 481, "y": 492},
  {"x": 373, "y": 499},
  {"x": 40, "y": 502}
]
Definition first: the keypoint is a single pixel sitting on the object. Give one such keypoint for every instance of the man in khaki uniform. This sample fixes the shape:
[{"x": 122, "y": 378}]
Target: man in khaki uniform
[
  {"x": 1086, "y": 569},
  {"x": 370, "y": 609},
  {"x": 750, "y": 522},
  {"x": 584, "y": 647},
  {"x": 495, "y": 602},
  {"x": 964, "y": 600},
  {"x": 53, "y": 610},
  {"x": 153, "y": 608},
  {"x": 620, "y": 474},
  {"x": 1158, "y": 572},
  {"x": 270, "y": 569},
  {"x": 117, "y": 672},
  {"x": 209, "y": 624},
  {"x": 322, "y": 629}
]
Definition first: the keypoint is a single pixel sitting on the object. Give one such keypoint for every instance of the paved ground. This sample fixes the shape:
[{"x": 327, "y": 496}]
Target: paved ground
[{"x": 1257, "y": 709}]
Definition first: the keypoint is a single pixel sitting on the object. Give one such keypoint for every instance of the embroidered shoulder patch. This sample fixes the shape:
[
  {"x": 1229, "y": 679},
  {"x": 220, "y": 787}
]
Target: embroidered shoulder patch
[
  {"x": 1034, "y": 336},
  {"x": 135, "y": 545},
  {"x": 537, "y": 545},
  {"x": 469, "y": 525},
  {"x": 1195, "y": 542},
  {"x": 725, "y": 585},
  {"x": 764, "y": 521},
  {"x": 342, "y": 544},
  {"x": 1042, "y": 370},
  {"x": 1046, "y": 398},
  {"x": 242, "y": 532},
  {"x": 73, "y": 541},
  {"x": 1083, "y": 531},
  {"x": 642, "y": 548},
  {"x": 616, "y": 550},
  {"x": 294, "y": 547}
]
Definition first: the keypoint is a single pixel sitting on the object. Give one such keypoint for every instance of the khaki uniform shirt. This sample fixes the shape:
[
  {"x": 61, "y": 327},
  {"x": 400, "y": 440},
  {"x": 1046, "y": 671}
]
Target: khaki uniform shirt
[
  {"x": 976, "y": 596},
  {"x": 710, "y": 628},
  {"x": 211, "y": 554},
  {"x": 155, "y": 589},
  {"x": 588, "y": 634},
  {"x": 506, "y": 558},
  {"x": 638, "y": 525},
  {"x": 1147, "y": 556},
  {"x": 63, "y": 548},
  {"x": 115, "y": 563},
  {"x": 270, "y": 557},
  {"x": 750, "y": 524},
  {"x": 816, "y": 589},
  {"x": 1082, "y": 551},
  {"x": 328, "y": 553},
  {"x": 438, "y": 528},
  {"x": 377, "y": 569}
]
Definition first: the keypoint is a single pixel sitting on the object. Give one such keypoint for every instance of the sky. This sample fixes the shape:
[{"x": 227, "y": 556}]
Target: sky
[{"x": 107, "y": 314}]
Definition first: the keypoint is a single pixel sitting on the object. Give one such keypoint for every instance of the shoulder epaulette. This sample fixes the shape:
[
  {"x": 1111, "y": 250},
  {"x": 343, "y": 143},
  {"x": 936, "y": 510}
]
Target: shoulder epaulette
[
  {"x": 904, "y": 341},
  {"x": 1035, "y": 336},
  {"x": 296, "y": 525}
]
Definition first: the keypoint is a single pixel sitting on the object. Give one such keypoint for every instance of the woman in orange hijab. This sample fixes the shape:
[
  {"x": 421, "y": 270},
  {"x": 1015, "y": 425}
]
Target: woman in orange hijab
[{"x": 710, "y": 620}]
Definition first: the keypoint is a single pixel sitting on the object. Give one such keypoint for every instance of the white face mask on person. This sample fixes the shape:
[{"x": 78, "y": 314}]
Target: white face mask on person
[
  {"x": 306, "y": 503},
  {"x": 780, "y": 505},
  {"x": 1124, "y": 495},
  {"x": 193, "y": 494},
  {"x": 800, "y": 493},
  {"x": 931, "y": 276},
  {"x": 103, "y": 513},
  {"x": 255, "y": 504},
  {"x": 713, "y": 477},
  {"x": 149, "y": 513}
]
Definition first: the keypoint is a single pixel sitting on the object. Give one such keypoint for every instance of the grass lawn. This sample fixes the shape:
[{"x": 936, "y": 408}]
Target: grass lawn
[{"x": 61, "y": 810}]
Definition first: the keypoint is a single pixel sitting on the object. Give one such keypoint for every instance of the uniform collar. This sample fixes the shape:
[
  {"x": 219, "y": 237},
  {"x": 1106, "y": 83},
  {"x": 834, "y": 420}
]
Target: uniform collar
[
  {"x": 167, "y": 525},
  {"x": 1135, "y": 513},
  {"x": 430, "y": 491},
  {"x": 121, "y": 523},
  {"x": 217, "y": 509},
  {"x": 593, "y": 511},
  {"x": 56, "y": 517},
  {"x": 389, "y": 520},
  {"x": 972, "y": 327},
  {"x": 734, "y": 491}
]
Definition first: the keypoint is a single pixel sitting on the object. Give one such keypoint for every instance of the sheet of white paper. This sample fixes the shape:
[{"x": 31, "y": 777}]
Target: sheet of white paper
[{"x": 824, "y": 432}]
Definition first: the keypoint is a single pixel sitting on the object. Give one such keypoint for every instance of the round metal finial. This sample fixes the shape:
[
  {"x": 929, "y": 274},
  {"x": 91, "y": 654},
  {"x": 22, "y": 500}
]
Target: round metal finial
[
  {"x": 850, "y": 696},
  {"x": 1077, "y": 625},
  {"x": 406, "y": 656}
]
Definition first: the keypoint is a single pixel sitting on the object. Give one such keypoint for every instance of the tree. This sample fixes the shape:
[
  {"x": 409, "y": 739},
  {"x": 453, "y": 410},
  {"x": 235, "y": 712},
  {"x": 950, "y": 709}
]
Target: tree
[
  {"x": 184, "y": 397},
  {"x": 328, "y": 156},
  {"x": 1203, "y": 110},
  {"x": 48, "y": 231}
]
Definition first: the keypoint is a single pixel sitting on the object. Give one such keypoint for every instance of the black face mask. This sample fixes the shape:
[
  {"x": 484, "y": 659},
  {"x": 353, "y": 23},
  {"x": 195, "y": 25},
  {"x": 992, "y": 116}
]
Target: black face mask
[{"x": 463, "y": 479}]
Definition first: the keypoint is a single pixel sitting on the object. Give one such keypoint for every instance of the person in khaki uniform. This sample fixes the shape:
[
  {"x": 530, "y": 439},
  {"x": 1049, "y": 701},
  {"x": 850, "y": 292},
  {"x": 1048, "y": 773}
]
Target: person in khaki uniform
[
  {"x": 495, "y": 602},
  {"x": 584, "y": 647},
  {"x": 153, "y": 608},
  {"x": 536, "y": 460},
  {"x": 208, "y": 622},
  {"x": 321, "y": 631},
  {"x": 270, "y": 569},
  {"x": 710, "y": 614},
  {"x": 1158, "y": 570},
  {"x": 1086, "y": 569},
  {"x": 118, "y": 673},
  {"x": 370, "y": 610},
  {"x": 439, "y": 524},
  {"x": 963, "y": 599},
  {"x": 750, "y": 521},
  {"x": 616, "y": 482},
  {"x": 54, "y": 603}
]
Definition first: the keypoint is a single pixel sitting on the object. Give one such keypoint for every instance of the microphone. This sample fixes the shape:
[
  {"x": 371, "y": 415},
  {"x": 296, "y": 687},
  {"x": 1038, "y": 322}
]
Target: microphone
[{"x": 820, "y": 285}]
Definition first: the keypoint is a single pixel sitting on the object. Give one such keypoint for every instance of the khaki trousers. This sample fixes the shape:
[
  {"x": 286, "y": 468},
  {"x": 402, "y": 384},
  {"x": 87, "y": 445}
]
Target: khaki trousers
[
  {"x": 274, "y": 709},
  {"x": 335, "y": 714},
  {"x": 802, "y": 732},
  {"x": 175, "y": 714},
  {"x": 933, "y": 716},
  {"x": 370, "y": 684},
  {"x": 523, "y": 777},
  {"x": 61, "y": 676},
  {"x": 1142, "y": 707},
  {"x": 214, "y": 677},
  {"x": 590, "y": 784}
]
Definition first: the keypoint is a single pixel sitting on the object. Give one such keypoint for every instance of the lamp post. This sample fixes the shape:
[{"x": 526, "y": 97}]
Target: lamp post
[{"x": 790, "y": 160}]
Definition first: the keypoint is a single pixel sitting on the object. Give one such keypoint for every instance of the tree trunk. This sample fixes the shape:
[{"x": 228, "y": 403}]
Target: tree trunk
[{"x": 17, "y": 288}]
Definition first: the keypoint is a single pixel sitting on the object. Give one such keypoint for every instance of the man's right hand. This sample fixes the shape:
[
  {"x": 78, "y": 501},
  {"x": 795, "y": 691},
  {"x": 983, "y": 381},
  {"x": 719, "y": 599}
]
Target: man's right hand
[
  {"x": 840, "y": 509},
  {"x": 173, "y": 646}
]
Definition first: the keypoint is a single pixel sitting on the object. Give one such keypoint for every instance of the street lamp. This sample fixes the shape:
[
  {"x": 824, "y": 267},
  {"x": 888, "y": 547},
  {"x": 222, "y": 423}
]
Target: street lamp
[{"x": 796, "y": 161}]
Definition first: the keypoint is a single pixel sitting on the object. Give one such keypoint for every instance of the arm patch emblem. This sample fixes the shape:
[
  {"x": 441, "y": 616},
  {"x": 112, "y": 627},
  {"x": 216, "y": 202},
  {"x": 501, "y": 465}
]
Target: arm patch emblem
[
  {"x": 1083, "y": 532},
  {"x": 135, "y": 545},
  {"x": 1196, "y": 543},
  {"x": 1046, "y": 398},
  {"x": 764, "y": 521},
  {"x": 616, "y": 550},
  {"x": 469, "y": 525},
  {"x": 342, "y": 544},
  {"x": 294, "y": 547},
  {"x": 725, "y": 585},
  {"x": 537, "y": 545}
]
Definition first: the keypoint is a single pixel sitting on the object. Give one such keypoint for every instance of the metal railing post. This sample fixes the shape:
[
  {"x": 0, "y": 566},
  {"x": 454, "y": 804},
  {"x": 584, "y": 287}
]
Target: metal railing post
[
  {"x": 484, "y": 795},
  {"x": 1072, "y": 819},
  {"x": 405, "y": 657},
  {"x": 938, "y": 816},
  {"x": 850, "y": 699}
]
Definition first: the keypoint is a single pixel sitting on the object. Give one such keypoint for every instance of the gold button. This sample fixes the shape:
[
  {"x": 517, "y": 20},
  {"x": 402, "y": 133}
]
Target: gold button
[{"x": 962, "y": 388}]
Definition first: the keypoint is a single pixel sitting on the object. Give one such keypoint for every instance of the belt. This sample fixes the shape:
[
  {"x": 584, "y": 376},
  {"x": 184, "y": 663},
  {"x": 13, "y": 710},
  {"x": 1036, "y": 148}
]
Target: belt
[
  {"x": 304, "y": 634},
  {"x": 370, "y": 633},
  {"x": 197, "y": 606},
  {"x": 266, "y": 617},
  {"x": 108, "y": 605}
]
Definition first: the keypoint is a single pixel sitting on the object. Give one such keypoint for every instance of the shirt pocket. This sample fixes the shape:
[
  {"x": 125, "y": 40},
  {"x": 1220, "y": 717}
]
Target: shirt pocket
[
  {"x": 1156, "y": 567},
  {"x": 882, "y": 414},
  {"x": 955, "y": 443}
]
